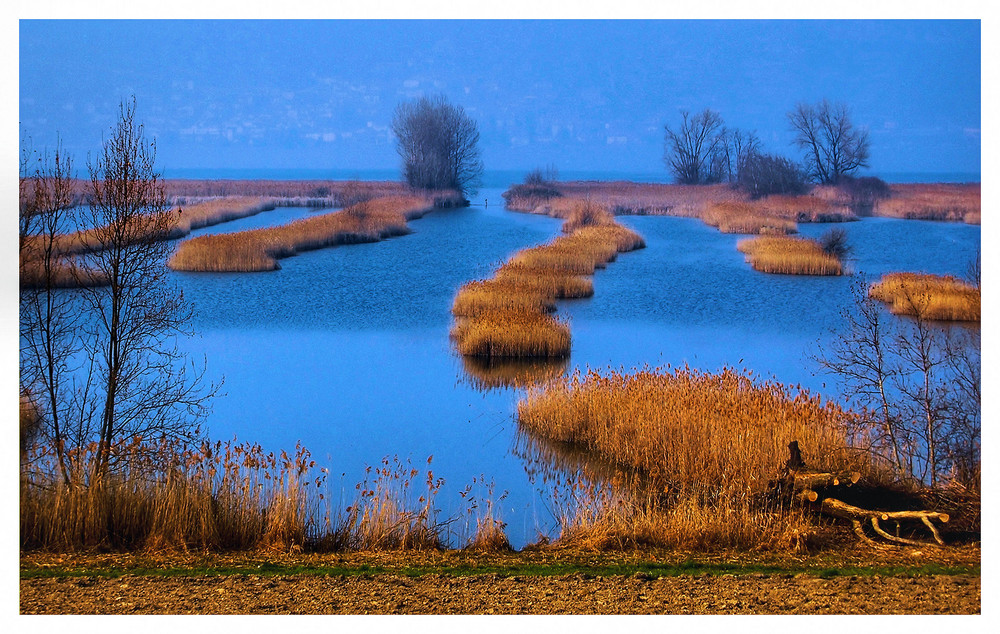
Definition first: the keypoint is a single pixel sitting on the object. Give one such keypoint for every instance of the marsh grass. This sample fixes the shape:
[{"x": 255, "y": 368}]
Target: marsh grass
[
  {"x": 789, "y": 255},
  {"x": 391, "y": 511},
  {"x": 935, "y": 297},
  {"x": 498, "y": 334},
  {"x": 62, "y": 272},
  {"x": 259, "y": 249},
  {"x": 167, "y": 495},
  {"x": 222, "y": 497},
  {"x": 933, "y": 201},
  {"x": 508, "y": 316},
  {"x": 746, "y": 217},
  {"x": 699, "y": 451}
]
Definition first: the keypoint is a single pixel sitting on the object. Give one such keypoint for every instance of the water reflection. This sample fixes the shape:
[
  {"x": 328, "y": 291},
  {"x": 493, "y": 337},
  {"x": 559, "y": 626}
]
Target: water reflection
[{"x": 488, "y": 374}]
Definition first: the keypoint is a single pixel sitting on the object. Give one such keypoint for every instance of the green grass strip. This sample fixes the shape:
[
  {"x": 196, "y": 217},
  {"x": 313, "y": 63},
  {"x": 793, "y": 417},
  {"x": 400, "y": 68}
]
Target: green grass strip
[{"x": 651, "y": 569}]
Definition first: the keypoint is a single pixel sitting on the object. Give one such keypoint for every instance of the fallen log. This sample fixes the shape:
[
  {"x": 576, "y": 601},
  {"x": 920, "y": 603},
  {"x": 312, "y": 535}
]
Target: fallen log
[
  {"x": 836, "y": 508},
  {"x": 812, "y": 487}
]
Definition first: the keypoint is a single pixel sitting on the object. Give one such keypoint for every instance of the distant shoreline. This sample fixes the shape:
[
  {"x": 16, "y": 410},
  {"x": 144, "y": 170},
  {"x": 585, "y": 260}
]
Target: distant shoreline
[{"x": 493, "y": 179}]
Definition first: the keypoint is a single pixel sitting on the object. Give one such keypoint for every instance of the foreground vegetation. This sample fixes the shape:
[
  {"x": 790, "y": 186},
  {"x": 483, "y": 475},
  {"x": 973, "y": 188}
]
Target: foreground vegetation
[{"x": 703, "y": 448}]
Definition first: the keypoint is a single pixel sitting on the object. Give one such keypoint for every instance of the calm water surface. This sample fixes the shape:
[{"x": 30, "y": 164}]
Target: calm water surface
[{"x": 346, "y": 350}]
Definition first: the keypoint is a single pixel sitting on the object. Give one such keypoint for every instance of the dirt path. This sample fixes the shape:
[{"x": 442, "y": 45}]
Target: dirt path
[{"x": 493, "y": 594}]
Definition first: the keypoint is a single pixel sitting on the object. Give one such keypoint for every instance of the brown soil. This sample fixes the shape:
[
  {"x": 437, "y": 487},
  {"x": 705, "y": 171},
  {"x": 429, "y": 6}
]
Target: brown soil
[{"x": 192, "y": 591}]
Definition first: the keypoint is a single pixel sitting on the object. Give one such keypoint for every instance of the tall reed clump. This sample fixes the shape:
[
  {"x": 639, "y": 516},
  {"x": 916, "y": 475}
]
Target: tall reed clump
[
  {"x": 790, "y": 256},
  {"x": 508, "y": 316},
  {"x": 168, "y": 495},
  {"x": 704, "y": 447},
  {"x": 935, "y": 297},
  {"x": 259, "y": 249},
  {"x": 217, "y": 496},
  {"x": 390, "y": 512}
]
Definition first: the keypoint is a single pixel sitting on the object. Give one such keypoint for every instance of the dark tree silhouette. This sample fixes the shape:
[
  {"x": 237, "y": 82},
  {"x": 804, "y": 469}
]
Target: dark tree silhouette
[
  {"x": 143, "y": 384},
  {"x": 832, "y": 146},
  {"x": 439, "y": 145},
  {"x": 693, "y": 151}
]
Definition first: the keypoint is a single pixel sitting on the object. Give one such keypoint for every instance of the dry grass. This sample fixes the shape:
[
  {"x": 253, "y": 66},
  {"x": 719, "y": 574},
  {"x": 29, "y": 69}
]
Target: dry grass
[
  {"x": 221, "y": 496},
  {"x": 702, "y": 449},
  {"x": 746, "y": 217},
  {"x": 508, "y": 316},
  {"x": 64, "y": 272},
  {"x": 259, "y": 249},
  {"x": 624, "y": 197},
  {"x": 933, "y": 201},
  {"x": 935, "y": 297},
  {"x": 789, "y": 255},
  {"x": 512, "y": 334}
]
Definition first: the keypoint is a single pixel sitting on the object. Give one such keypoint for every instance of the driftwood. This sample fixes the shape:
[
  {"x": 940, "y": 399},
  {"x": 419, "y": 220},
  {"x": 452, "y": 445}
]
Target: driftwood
[{"x": 815, "y": 488}]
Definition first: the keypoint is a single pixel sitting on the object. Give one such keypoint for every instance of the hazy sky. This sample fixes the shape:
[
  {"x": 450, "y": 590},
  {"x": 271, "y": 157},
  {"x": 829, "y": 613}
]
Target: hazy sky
[{"x": 582, "y": 95}]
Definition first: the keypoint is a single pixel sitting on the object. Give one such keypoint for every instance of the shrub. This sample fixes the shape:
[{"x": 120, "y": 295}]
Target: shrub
[{"x": 765, "y": 174}]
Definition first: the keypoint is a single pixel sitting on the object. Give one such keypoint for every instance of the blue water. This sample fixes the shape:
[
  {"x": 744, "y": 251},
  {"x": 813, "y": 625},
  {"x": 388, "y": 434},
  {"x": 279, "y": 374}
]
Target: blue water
[{"x": 347, "y": 350}]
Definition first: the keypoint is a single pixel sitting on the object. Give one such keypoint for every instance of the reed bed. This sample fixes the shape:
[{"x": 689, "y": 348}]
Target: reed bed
[
  {"x": 167, "y": 495},
  {"x": 934, "y": 297},
  {"x": 626, "y": 198},
  {"x": 789, "y": 256},
  {"x": 746, "y": 217},
  {"x": 701, "y": 448},
  {"x": 222, "y": 497},
  {"x": 259, "y": 250},
  {"x": 512, "y": 334},
  {"x": 508, "y": 316},
  {"x": 218, "y": 210},
  {"x": 933, "y": 201},
  {"x": 63, "y": 272}
]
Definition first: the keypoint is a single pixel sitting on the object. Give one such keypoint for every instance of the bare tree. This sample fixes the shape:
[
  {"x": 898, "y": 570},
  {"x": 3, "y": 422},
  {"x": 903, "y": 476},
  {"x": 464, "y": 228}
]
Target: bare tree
[
  {"x": 439, "y": 145},
  {"x": 918, "y": 384},
  {"x": 737, "y": 148},
  {"x": 833, "y": 147},
  {"x": 144, "y": 384},
  {"x": 49, "y": 316},
  {"x": 692, "y": 152}
]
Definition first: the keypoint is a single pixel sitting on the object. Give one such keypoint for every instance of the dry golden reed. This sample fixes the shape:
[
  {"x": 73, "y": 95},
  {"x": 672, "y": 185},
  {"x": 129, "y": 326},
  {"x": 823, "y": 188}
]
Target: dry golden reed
[
  {"x": 508, "y": 316},
  {"x": 935, "y": 297},
  {"x": 789, "y": 255},
  {"x": 746, "y": 217},
  {"x": 933, "y": 201},
  {"x": 706, "y": 447},
  {"x": 259, "y": 249},
  {"x": 220, "y": 497}
]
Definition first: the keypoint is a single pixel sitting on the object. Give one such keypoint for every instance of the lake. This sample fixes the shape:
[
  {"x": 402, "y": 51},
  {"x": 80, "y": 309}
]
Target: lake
[{"x": 346, "y": 350}]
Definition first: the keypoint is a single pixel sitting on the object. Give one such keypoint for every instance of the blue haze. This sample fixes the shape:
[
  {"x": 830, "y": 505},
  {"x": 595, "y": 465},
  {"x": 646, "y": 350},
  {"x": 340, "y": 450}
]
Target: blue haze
[{"x": 582, "y": 95}]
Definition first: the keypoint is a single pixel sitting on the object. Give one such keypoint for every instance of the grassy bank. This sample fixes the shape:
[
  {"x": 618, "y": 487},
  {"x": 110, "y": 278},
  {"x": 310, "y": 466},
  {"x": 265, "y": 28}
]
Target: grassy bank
[
  {"x": 509, "y": 315},
  {"x": 538, "y": 562},
  {"x": 935, "y": 297},
  {"x": 259, "y": 249},
  {"x": 789, "y": 255}
]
